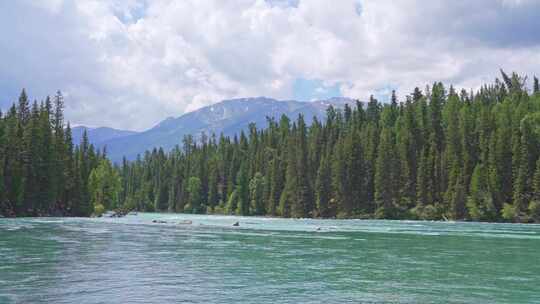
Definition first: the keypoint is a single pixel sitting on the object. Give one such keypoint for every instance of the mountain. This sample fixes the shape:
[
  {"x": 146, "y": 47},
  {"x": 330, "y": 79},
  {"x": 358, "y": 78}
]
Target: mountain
[
  {"x": 97, "y": 136},
  {"x": 228, "y": 117}
]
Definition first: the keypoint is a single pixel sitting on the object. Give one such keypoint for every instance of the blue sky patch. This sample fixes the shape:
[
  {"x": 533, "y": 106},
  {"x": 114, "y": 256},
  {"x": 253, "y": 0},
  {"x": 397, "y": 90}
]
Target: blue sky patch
[
  {"x": 284, "y": 3},
  {"x": 312, "y": 89},
  {"x": 384, "y": 93},
  {"x": 358, "y": 7},
  {"x": 134, "y": 14}
]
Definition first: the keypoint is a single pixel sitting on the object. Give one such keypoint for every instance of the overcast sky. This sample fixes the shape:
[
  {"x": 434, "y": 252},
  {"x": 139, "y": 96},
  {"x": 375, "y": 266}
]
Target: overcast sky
[{"x": 131, "y": 63}]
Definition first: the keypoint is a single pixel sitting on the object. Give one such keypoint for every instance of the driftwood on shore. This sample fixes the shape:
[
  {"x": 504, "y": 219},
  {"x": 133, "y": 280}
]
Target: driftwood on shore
[
  {"x": 115, "y": 213},
  {"x": 184, "y": 222}
]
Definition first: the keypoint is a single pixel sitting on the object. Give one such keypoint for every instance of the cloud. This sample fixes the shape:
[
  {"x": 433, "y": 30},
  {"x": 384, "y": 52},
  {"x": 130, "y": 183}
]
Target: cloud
[{"x": 129, "y": 64}]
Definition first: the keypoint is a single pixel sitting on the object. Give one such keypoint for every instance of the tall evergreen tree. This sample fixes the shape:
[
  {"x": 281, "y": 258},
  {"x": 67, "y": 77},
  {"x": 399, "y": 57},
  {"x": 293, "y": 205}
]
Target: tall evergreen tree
[
  {"x": 288, "y": 195},
  {"x": 386, "y": 166},
  {"x": 323, "y": 188},
  {"x": 256, "y": 194},
  {"x": 194, "y": 188},
  {"x": 303, "y": 203},
  {"x": 480, "y": 203},
  {"x": 242, "y": 191}
]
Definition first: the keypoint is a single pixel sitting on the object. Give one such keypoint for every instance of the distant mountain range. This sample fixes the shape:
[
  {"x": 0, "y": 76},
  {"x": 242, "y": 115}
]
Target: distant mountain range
[
  {"x": 99, "y": 135},
  {"x": 228, "y": 117}
]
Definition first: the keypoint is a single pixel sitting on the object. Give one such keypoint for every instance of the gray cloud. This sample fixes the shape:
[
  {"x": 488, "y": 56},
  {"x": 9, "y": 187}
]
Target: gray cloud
[{"x": 129, "y": 64}]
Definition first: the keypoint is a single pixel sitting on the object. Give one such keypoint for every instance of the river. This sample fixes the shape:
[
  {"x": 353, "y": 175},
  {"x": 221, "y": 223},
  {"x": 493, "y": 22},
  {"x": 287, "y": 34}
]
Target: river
[{"x": 265, "y": 260}]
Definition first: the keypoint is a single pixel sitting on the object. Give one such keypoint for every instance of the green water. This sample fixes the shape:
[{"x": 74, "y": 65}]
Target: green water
[{"x": 132, "y": 260}]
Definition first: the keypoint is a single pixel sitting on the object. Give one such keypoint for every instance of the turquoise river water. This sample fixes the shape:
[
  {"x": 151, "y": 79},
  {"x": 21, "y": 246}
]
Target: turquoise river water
[{"x": 265, "y": 260}]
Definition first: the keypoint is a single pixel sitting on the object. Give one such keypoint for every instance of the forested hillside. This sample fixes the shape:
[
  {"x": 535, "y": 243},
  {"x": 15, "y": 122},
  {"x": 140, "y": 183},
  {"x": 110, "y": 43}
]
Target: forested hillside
[
  {"x": 437, "y": 154},
  {"x": 41, "y": 172}
]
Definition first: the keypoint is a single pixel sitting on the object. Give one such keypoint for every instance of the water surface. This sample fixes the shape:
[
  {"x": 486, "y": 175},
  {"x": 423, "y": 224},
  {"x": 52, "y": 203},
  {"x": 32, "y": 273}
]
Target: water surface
[{"x": 133, "y": 260}]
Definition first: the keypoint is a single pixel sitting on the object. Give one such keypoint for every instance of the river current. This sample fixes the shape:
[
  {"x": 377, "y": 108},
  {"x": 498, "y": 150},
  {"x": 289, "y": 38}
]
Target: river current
[{"x": 179, "y": 258}]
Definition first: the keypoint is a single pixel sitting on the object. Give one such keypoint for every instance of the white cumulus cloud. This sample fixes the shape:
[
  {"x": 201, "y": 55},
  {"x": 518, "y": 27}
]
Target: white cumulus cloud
[{"x": 128, "y": 64}]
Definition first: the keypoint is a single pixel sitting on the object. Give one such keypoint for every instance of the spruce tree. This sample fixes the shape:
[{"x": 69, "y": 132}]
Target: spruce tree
[
  {"x": 276, "y": 185},
  {"x": 536, "y": 182},
  {"x": 407, "y": 141},
  {"x": 339, "y": 180},
  {"x": 213, "y": 196},
  {"x": 480, "y": 203},
  {"x": 69, "y": 175},
  {"x": 47, "y": 192},
  {"x": 242, "y": 191},
  {"x": 453, "y": 153},
  {"x": 256, "y": 194},
  {"x": 303, "y": 204},
  {"x": 323, "y": 188},
  {"x": 13, "y": 172},
  {"x": 194, "y": 188},
  {"x": 289, "y": 195},
  {"x": 458, "y": 200},
  {"x": 385, "y": 168},
  {"x": 23, "y": 109}
]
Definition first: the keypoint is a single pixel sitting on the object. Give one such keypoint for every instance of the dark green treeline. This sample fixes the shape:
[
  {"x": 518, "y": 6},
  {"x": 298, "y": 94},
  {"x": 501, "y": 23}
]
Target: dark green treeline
[
  {"x": 437, "y": 154},
  {"x": 41, "y": 172}
]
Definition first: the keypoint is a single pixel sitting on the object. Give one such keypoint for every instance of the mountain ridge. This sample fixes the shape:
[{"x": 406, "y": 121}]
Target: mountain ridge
[
  {"x": 99, "y": 134},
  {"x": 228, "y": 116}
]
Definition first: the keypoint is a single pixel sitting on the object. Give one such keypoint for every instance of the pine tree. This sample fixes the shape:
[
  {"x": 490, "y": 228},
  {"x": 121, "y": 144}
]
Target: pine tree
[
  {"x": 422, "y": 180},
  {"x": 47, "y": 166},
  {"x": 458, "y": 200},
  {"x": 502, "y": 152},
  {"x": 276, "y": 185},
  {"x": 59, "y": 150},
  {"x": 213, "y": 197},
  {"x": 256, "y": 194},
  {"x": 104, "y": 186},
  {"x": 480, "y": 203},
  {"x": 13, "y": 172},
  {"x": 23, "y": 109},
  {"x": 339, "y": 181},
  {"x": 288, "y": 195},
  {"x": 407, "y": 144},
  {"x": 323, "y": 188},
  {"x": 31, "y": 164},
  {"x": 536, "y": 181},
  {"x": 453, "y": 154},
  {"x": 242, "y": 191},
  {"x": 69, "y": 169},
  {"x": 370, "y": 136},
  {"x": 468, "y": 144},
  {"x": 194, "y": 188},
  {"x": 528, "y": 153},
  {"x": 303, "y": 204},
  {"x": 80, "y": 206},
  {"x": 355, "y": 173},
  {"x": 385, "y": 168},
  {"x": 84, "y": 168}
]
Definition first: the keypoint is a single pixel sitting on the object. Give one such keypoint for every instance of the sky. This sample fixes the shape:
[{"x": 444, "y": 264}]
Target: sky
[{"x": 130, "y": 63}]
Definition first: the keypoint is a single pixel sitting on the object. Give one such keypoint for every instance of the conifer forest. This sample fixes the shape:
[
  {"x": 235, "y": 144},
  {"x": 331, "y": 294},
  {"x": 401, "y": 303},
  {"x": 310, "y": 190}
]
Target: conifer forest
[{"x": 437, "y": 153}]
